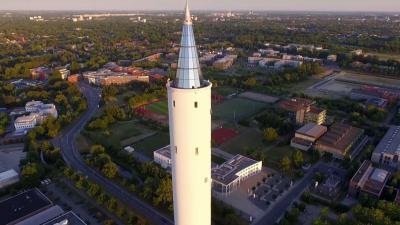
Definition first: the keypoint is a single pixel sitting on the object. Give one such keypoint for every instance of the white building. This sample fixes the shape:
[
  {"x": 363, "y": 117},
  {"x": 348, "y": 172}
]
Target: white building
[
  {"x": 8, "y": 178},
  {"x": 163, "y": 157},
  {"x": 43, "y": 110},
  {"x": 228, "y": 176},
  {"x": 24, "y": 123},
  {"x": 33, "y": 106},
  {"x": 38, "y": 113},
  {"x": 64, "y": 73},
  {"x": 189, "y": 104}
]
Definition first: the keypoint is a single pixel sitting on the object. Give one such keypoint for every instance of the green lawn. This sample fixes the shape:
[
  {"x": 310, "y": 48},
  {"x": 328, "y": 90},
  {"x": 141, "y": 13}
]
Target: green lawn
[
  {"x": 160, "y": 107},
  {"x": 124, "y": 130},
  {"x": 274, "y": 155},
  {"x": 237, "y": 108},
  {"x": 149, "y": 145},
  {"x": 225, "y": 91},
  {"x": 217, "y": 160},
  {"x": 115, "y": 134},
  {"x": 249, "y": 138}
]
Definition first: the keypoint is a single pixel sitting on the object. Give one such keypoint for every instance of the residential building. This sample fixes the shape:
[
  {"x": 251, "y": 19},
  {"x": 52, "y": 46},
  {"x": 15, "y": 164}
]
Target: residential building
[
  {"x": 40, "y": 73},
  {"x": 387, "y": 152},
  {"x": 207, "y": 58},
  {"x": 163, "y": 157},
  {"x": 116, "y": 76},
  {"x": 8, "y": 178},
  {"x": 64, "y": 73},
  {"x": 75, "y": 78},
  {"x": 24, "y": 123},
  {"x": 357, "y": 52},
  {"x": 254, "y": 60},
  {"x": 228, "y": 176},
  {"x": 225, "y": 62},
  {"x": 332, "y": 58},
  {"x": 342, "y": 141},
  {"x": 369, "y": 180},
  {"x": 303, "y": 110},
  {"x": 307, "y": 135},
  {"x": 315, "y": 115}
]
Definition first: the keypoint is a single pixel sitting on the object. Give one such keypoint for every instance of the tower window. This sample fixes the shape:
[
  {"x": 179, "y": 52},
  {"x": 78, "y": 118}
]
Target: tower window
[
  {"x": 205, "y": 180},
  {"x": 197, "y": 151},
  {"x": 174, "y": 103},
  {"x": 176, "y": 149},
  {"x": 195, "y": 104}
]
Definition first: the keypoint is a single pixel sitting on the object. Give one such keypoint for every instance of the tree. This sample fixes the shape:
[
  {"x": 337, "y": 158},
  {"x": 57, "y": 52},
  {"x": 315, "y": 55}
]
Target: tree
[
  {"x": 270, "y": 134},
  {"x": 75, "y": 67},
  {"x": 285, "y": 164},
  {"x": 32, "y": 172},
  {"x": 251, "y": 82},
  {"x": 110, "y": 170},
  {"x": 164, "y": 192},
  {"x": 97, "y": 150},
  {"x": 298, "y": 159}
]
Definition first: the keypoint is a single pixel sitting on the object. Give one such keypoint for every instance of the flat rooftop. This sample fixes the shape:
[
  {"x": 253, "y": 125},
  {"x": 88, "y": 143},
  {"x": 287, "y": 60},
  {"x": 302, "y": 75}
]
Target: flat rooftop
[
  {"x": 390, "y": 143},
  {"x": 23, "y": 205},
  {"x": 312, "y": 130},
  {"x": 226, "y": 172},
  {"x": 340, "y": 136},
  {"x": 371, "y": 179},
  {"x": 295, "y": 104},
  {"x": 69, "y": 218},
  {"x": 166, "y": 152}
]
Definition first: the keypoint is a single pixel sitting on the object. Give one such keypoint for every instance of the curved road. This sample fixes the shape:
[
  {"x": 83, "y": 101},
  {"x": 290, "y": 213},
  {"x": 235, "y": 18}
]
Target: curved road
[{"x": 73, "y": 158}]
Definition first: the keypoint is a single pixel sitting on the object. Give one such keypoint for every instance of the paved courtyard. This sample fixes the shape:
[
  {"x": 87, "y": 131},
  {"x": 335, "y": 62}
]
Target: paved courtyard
[
  {"x": 10, "y": 156},
  {"x": 256, "y": 193}
]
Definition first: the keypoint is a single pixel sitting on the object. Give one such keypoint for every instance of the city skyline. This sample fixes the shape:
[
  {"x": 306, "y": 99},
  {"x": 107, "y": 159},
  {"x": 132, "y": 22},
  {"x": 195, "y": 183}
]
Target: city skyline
[{"x": 269, "y": 5}]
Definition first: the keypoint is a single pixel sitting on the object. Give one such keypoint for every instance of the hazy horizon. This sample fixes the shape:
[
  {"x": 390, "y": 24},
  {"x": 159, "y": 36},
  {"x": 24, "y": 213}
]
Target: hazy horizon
[{"x": 257, "y": 5}]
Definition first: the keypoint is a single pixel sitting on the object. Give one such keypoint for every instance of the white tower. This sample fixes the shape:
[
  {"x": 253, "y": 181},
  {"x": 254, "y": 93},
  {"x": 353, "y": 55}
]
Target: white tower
[{"x": 189, "y": 104}]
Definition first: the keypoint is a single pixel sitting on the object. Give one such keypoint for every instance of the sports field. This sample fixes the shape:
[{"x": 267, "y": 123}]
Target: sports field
[
  {"x": 160, "y": 107},
  {"x": 148, "y": 145},
  {"x": 236, "y": 109},
  {"x": 225, "y": 91}
]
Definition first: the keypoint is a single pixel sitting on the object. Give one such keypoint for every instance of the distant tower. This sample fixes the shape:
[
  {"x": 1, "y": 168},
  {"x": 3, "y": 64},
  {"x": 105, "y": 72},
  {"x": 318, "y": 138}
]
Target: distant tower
[{"x": 189, "y": 104}]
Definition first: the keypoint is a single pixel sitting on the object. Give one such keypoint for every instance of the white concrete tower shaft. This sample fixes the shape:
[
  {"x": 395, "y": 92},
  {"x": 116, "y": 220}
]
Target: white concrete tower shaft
[{"x": 189, "y": 104}]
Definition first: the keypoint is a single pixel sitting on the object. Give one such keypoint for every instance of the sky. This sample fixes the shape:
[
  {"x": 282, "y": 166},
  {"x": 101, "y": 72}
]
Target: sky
[{"x": 281, "y": 5}]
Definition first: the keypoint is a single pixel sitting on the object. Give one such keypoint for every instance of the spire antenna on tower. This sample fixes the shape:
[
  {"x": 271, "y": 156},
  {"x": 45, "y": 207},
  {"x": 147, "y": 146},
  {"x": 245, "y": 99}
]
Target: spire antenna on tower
[{"x": 188, "y": 18}]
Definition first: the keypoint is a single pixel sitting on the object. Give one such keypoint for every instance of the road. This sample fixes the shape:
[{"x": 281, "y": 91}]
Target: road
[
  {"x": 284, "y": 203},
  {"x": 71, "y": 155}
]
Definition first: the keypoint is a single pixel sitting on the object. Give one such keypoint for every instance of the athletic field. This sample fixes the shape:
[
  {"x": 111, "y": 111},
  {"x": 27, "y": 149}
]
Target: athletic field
[
  {"x": 160, "y": 107},
  {"x": 236, "y": 109}
]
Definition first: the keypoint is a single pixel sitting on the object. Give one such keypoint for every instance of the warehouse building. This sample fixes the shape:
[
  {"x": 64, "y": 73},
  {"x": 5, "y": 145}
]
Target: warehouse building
[
  {"x": 342, "y": 141},
  {"x": 8, "y": 178},
  {"x": 387, "y": 152},
  {"x": 307, "y": 135}
]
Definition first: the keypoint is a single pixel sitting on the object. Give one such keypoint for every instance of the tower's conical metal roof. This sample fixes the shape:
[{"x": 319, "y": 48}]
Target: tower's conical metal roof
[{"x": 189, "y": 73}]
